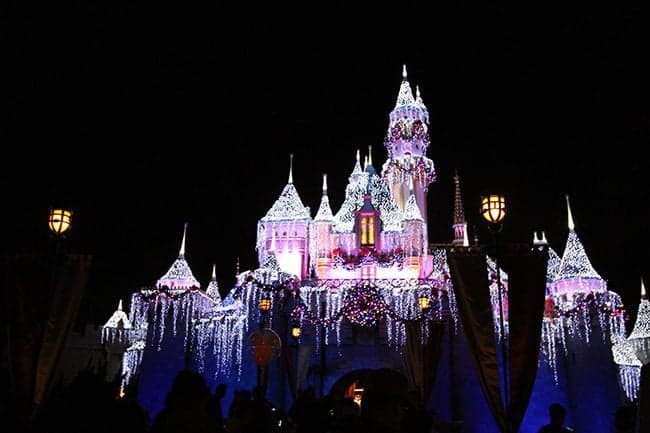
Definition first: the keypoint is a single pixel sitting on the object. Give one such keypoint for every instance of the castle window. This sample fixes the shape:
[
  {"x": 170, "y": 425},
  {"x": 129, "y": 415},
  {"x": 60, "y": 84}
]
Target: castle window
[{"x": 367, "y": 237}]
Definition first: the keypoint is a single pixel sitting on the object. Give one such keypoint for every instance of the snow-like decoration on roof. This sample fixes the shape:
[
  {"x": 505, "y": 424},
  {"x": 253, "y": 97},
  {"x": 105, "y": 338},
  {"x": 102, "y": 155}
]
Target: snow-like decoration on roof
[
  {"x": 324, "y": 210},
  {"x": 575, "y": 263},
  {"x": 642, "y": 325},
  {"x": 271, "y": 262},
  {"x": 381, "y": 199},
  {"x": 179, "y": 275},
  {"x": 419, "y": 102},
  {"x": 625, "y": 354},
  {"x": 405, "y": 96},
  {"x": 213, "y": 287},
  {"x": 412, "y": 211},
  {"x": 553, "y": 264},
  {"x": 119, "y": 319},
  {"x": 288, "y": 207}
]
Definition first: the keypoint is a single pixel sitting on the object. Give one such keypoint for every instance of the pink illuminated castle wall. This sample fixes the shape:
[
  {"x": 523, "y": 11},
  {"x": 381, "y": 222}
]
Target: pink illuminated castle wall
[{"x": 380, "y": 231}]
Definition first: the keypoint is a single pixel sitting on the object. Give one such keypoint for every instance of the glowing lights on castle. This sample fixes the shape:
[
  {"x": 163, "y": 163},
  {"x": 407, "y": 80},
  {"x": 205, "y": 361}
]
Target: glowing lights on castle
[{"x": 365, "y": 264}]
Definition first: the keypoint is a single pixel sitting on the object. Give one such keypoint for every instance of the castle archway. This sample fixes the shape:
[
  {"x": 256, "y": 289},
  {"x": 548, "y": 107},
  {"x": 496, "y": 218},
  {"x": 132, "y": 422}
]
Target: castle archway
[{"x": 375, "y": 384}]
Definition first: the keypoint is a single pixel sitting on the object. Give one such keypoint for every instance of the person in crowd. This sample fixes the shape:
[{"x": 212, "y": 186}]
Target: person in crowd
[{"x": 557, "y": 413}]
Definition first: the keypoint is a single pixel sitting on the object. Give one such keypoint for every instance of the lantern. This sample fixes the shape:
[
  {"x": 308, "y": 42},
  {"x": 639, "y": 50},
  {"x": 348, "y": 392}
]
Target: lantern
[
  {"x": 265, "y": 304},
  {"x": 493, "y": 208},
  {"x": 59, "y": 221}
]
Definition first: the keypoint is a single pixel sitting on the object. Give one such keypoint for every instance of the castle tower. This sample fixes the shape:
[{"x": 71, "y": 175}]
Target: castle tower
[
  {"x": 460, "y": 225},
  {"x": 575, "y": 273},
  {"x": 407, "y": 141},
  {"x": 213, "y": 287},
  {"x": 179, "y": 275},
  {"x": 414, "y": 236},
  {"x": 286, "y": 224},
  {"x": 321, "y": 235}
]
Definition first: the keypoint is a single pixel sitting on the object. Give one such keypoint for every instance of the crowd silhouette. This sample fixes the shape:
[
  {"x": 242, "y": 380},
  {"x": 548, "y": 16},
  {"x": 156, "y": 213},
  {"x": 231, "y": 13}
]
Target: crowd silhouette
[{"x": 89, "y": 404}]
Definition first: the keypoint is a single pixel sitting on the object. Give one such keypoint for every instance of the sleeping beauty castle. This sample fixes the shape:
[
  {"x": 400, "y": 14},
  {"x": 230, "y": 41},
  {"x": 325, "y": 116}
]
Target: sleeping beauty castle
[{"x": 342, "y": 298}]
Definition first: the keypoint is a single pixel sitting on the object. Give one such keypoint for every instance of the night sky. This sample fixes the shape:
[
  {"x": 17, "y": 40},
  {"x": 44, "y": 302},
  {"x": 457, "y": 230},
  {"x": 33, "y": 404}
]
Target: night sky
[{"x": 142, "y": 116}]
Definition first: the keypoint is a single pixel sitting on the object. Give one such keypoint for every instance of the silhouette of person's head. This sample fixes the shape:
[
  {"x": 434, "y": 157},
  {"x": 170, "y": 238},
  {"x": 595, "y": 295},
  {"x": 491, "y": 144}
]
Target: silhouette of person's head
[
  {"x": 220, "y": 390},
  {"x": 557, "y": 414},
  {"x": 188, "y": 389}
]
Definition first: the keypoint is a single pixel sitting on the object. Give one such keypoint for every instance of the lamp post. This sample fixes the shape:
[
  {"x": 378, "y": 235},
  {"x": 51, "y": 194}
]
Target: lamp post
[
  {"x": 295, "y": 334},
  {"x": 424, "y": 303},
  {"x": 493, "y": 210}
]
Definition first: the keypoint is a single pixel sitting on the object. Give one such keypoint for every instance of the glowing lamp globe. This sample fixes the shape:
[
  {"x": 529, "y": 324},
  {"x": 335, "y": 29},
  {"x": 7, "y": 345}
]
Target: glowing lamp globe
[
  {"x": 423, "y": 302},
  {"x": 59, "y": 221},
  {"x": 265, "y": 304},
  {"x": 296, "y": 332},
  {"x": 493, "y": 208}
]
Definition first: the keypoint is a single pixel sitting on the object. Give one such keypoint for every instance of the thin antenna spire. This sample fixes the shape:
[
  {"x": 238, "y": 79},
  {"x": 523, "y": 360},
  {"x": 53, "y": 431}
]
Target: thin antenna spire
[
  {"x": 181, "y": 253},
  {"x": 291, "y": 168},
  {"x": 643, "y": 293},
  {"x": 569, "y": 215},
  {"x": 237, "y": 266}
]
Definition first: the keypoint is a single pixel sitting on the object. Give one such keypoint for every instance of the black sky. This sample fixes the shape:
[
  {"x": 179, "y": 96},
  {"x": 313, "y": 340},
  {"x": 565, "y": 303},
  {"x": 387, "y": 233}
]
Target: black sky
[{"x": 143, "y": 116}]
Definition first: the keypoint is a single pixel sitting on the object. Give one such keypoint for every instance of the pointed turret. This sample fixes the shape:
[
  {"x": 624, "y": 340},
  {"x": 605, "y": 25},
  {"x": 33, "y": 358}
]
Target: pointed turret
[
  {"x": 321, "y": 236},
  {"x": 324, "y": 210},
  {"x": 179, "y": 275},
  {"x": 553, "y": 265},
  {"x": 357, "y": 165},
  {"x": 641, "y": 331},
  {"x": 460, "y": 225},
  {"x": 118, "y": 319},
  {"x": 407, "y": 141},
  {"x": 288, "y": 207},
  {"x": 113, "y": 329},
  {"x": 405, "y": 96},
  {"x": 286, "y": 226},
  {"x": 213, "y": 286},
  {"x": 575, "y": 273}
]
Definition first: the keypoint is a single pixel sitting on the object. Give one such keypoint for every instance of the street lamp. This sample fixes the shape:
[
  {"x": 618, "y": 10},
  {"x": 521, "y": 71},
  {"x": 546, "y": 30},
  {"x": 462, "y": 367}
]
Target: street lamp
[
  {"x": 424, "y": 302},
  {"x": 493, "y": 210},
  {"x": 296, "y": 332},
  {"x": 265, "y": 304},
  {"x": 59, "y": 221}
]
